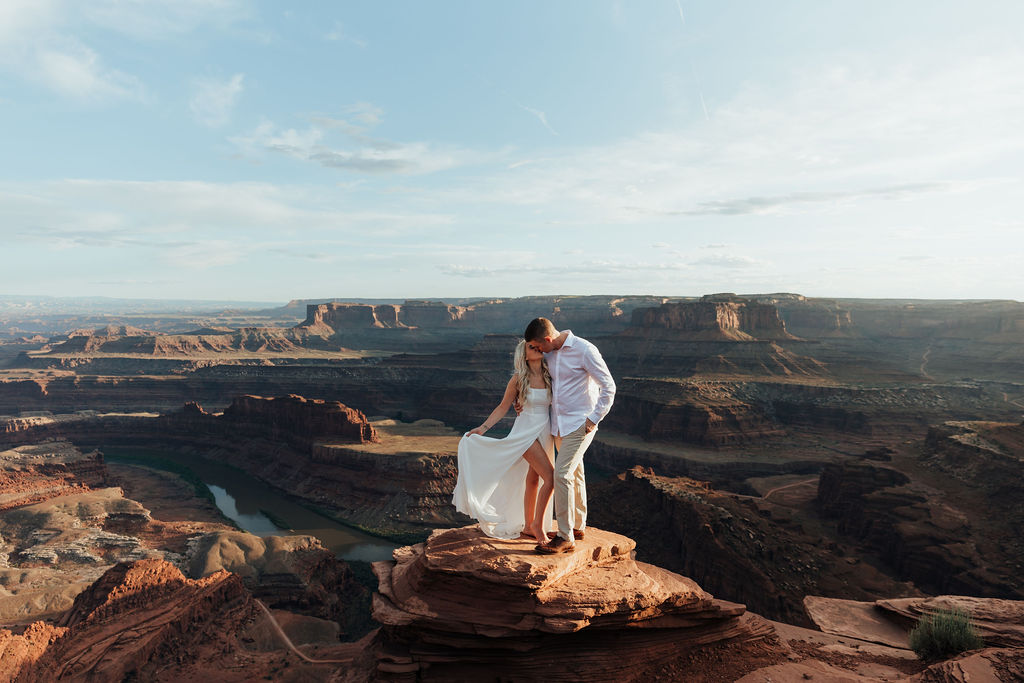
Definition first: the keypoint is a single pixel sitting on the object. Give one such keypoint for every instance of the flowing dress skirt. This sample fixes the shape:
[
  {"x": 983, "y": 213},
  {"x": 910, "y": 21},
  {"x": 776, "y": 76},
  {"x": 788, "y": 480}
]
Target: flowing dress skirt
[{"x": 492, "y": 472}]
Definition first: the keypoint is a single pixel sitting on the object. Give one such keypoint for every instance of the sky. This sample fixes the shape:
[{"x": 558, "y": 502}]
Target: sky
[{"x": 222, "y": 149}]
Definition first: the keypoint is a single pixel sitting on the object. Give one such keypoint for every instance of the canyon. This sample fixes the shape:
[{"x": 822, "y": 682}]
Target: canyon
[{"x": 762, "y": 449}]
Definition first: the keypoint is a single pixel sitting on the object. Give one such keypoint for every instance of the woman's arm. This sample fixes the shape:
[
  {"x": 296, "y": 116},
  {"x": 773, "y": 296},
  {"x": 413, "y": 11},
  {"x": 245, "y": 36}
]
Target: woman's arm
[{"x": 511, "y": 390}]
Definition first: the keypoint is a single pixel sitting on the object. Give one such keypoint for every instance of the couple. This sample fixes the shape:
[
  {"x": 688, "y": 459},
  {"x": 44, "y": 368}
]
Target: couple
[{"x": 561, "y": 389}]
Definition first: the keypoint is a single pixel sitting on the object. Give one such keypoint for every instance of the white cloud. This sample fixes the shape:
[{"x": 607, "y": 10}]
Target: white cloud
[
  {"x": 836, "y": 137},
  {"x": 213, "y": 100},
  {"x": 162, "y": 19},
  {"x": 541, "y": 116},
  {"x": 79, "y": 73},
  {"x": 592, "y": 268},
  {"x": 169, "y": 215},
  {"x": 358, "y": 151},
  {"x": 726, "y": 261},
  {"x": 22, "y": 19},
  {"x": 44, "y": 40},
  {"x": 206, "y": 254}
]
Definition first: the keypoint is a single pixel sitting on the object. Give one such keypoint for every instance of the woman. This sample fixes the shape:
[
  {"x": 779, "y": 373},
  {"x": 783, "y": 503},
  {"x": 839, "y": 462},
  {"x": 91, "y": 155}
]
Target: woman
[{"x": 498, "y": 478}]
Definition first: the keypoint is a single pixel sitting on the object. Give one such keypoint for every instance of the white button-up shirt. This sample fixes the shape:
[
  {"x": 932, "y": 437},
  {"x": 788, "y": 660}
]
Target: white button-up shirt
[{"x": 581, "y": 386}]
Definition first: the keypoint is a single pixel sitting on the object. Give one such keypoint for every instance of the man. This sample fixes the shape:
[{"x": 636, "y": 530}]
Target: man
[{"x": 582, "y": 391}]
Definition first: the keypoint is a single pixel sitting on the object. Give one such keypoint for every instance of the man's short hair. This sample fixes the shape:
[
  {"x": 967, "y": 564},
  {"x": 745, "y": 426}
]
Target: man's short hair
[{"x": 538, "y": 329}]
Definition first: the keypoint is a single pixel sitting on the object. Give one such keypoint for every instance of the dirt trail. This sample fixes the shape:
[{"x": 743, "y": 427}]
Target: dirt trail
[
  {"x": 924, "y": 362},
  {"x": 786, "y": 486},
  {"x": 291, "y": 646}
]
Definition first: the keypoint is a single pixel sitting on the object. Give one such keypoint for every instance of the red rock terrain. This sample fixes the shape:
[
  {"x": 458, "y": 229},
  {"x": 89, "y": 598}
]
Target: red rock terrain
[
  {"x": 295, "y": 418},
  {"x": 396, "y": 482},
  {"x": 743, "y": 548},
  {"x": 138, "y": 618},
  {"x": 465, "y": 607}
]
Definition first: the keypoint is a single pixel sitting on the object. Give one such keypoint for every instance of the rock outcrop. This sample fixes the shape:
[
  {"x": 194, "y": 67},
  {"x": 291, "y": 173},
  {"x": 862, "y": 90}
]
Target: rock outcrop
[
  {"x": 701, "y": 413},
  {"x": 394, "y": 478},
  {"x": 137, "y": 618},
  {"x": 913, "y": 529},
  {"x": 294, "y": 418},
  {"x": 987, "y": 457},
  {"x": 998, "y": 622},
  {"x": 294, "y": 573},
  {"x": 742, "y": 548},
  {"x": 712, "y": 318},
  {"x": 464, "y": 607},
  {"x": 34, "y": 473},
  {"x": 588, "y": 314}
]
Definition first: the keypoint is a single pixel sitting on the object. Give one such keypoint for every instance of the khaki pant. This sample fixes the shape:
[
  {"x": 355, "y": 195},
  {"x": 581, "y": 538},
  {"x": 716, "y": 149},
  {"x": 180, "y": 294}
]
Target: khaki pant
[{"x": 570, "y": 482}]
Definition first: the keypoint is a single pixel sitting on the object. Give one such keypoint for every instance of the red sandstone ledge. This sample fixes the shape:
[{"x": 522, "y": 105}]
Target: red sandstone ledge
[{"x": 461, "y": 603}]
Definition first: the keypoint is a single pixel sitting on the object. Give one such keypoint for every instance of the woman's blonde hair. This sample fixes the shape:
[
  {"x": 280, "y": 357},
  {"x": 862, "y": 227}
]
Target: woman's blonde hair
[{"x": 522, "y": 371}]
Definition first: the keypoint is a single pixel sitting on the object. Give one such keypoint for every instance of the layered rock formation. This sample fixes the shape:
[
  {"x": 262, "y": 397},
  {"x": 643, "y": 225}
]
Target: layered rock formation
[
  {"x": 713, "y": 318},
  {"x": 742, "y": 548},
  {"x": 295, "y": 418},
  {"x": 135, "y": 620},
  {"x": 391, "y": 477},
  {"x": 34, "y": 473},
  {"x": 590, "y": 314},
  {"x": 61, "y": 527},
  {"x": 466, "y": 607},
  {"x": 693, "y": 412},
  {"x": 398, "y": 485},
  {"x": 121, "y": 340},
  {"x": 294, "y": 573},
  {"x": 913, "y": 529},
  {"x": 1000, "y": 624},
  {"x": 985, "y": 455}
]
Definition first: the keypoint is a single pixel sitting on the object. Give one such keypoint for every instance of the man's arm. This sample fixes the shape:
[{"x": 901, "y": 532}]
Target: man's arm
[{"x": 595, "y": 366}]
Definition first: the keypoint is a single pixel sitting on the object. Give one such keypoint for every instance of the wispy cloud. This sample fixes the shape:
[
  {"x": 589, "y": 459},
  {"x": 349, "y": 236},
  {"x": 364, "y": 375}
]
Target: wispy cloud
[
  {"x": 591, "y": 268},
  {"x": 836, "y": 139},
  {"x": 541, "y": 116},
  {"x": 165, "y": 214},
  {"x": 205, "y": 254},
  {"x": 163, "y": 19},
  {"x": 781, "y": 203},
  {"x": 356, "y": 150},
  {"x": 213, "y": 100},
  {"x": 77, "y": 71},
  {"x": 45, "y": 41},
  {"x": 727, "y": 261}
]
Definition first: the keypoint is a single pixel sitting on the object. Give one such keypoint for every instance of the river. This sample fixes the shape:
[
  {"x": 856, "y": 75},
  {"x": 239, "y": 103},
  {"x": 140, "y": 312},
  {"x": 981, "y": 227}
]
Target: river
[{"x": 255, "y": 507}]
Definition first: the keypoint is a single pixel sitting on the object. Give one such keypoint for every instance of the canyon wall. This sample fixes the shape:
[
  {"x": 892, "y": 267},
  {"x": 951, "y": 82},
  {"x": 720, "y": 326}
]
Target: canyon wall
[
  {"x": 743, "y": 549},
  {"x": 711, "y": 319},
  {"x": 393, "y": 479},
  {"x": 914, "y": 531}
]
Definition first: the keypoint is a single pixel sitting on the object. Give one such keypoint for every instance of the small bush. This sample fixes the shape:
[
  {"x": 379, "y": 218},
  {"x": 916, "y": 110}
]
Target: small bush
[{"x": 943, "y": 634}]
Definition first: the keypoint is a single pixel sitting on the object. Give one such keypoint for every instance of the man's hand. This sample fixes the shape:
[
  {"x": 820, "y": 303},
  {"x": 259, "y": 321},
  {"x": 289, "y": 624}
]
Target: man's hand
[
  {"x": 476, "y": 430},
  {"x": 589, "y": 426},
  {"x": 518, "y": 407}
]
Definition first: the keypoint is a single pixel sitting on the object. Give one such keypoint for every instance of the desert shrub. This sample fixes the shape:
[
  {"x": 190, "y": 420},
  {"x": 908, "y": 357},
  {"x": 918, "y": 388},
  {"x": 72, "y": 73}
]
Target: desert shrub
[{"x": 943, "y": 634}]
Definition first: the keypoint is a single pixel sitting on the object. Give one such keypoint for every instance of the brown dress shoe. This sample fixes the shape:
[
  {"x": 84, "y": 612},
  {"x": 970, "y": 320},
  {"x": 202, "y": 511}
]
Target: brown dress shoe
[
  {"x": 558, "y": 545},
  {"x": 576, "y": 533}
]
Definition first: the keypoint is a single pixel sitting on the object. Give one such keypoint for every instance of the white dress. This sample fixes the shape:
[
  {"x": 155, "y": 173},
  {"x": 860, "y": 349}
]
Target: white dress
[{"x": 492, "y": 472}]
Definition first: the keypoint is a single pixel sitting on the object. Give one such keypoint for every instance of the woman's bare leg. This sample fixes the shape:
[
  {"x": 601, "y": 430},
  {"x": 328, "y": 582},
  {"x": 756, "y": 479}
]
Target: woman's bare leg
[
  {"x": 530, "y": 498},
  {"x": 539, "y": 463}
]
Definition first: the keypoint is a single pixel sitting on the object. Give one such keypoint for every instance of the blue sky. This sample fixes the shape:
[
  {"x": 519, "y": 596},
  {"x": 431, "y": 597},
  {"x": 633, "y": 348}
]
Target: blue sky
[{"x": 267, "y": 151}]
